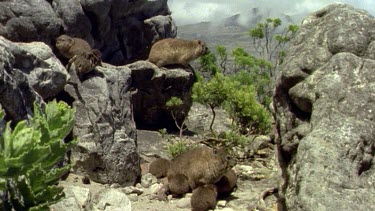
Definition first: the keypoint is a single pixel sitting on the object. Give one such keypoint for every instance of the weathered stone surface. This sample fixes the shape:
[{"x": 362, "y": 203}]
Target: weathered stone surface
[
  {"x": 154, "y": 88},
  {"x": 110, "y": 200},
  {"x": 324, "y": 109},
  {"x": 115, "y": 27},
  {"x": 104, "y": 124},
  {"x": 28, "y": 72}
]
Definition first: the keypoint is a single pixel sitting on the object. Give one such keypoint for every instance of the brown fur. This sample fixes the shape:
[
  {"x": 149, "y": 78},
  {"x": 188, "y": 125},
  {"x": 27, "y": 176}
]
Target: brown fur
[
  {"x": 201, "y": 165},
  {"x": 204, "y": 198},
  {"x": 159, "y": 167},
  {"x": 176, "y": 51},
  {"x": 178, "y": 184},
  {"x": 79, "y": 52},
  {"x": 227, "y": 183}
]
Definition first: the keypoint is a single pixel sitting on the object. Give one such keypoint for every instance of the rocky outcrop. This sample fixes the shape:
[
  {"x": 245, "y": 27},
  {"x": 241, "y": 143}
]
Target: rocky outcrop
[
  {"x": 107, "y": 151},
  {"x": 28, "y": 72},
  {"x": 324, "y": 110},
  {"x": 154, "y": 88},
  {"x": 122, "y": 29}
]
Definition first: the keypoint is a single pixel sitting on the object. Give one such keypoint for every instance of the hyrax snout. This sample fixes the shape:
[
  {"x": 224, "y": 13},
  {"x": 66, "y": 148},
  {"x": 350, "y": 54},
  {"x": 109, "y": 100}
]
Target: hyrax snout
[{"x": 176, "y": 51}]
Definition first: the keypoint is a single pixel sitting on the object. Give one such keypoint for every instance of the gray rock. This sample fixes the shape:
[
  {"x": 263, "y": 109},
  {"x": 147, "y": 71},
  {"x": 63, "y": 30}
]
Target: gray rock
[
  {"x": 115, "y": 27},
  {"x": 76, "y": 198},
  {"x": 154, "y": 88},
  {"x": 131, "y": 189},
  {"x": 110, "y": 200},
  {"x": 160, "y": 27},
  {"x": 183, "y": 203},
  {"x": 29, "y": 20},
  {"x": 104, "y": 124},
  {"x": 147, "y": 180},
  {"x": 29, "y": 72},
  {"x": 324, "y": 106}
]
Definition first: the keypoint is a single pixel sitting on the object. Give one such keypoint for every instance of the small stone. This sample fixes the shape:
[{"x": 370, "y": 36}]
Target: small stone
[
  {"x": 183, "y": 203},
  {"x": 115, "y": 185},
  {"x": 169, "y": 197},
  {"x": 131, "y": 189},
  {"x": 222, "y": 203},
  {"x": 155, "y": 188},
  {"x": 147, "y": 180},
  {"x": 188, "y": 195},
  {"x": 133, "y": 197}
]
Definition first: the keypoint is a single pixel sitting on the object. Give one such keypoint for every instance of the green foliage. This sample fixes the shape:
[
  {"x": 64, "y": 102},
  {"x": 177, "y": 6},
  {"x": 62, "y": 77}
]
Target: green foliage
[
  {"x": 207, "y": 63},
  {"x": 268, "y": 42},
  {"x": 174, "y": 104},
  {"x": 233, "y": 137},
  {"x": 28, "y": 154},
  {"x": 163, "y": 132},
  {"x": 248, "y": 114},
  {"x": 177, "y": 148},
  {"x": 212, "y": 93}
]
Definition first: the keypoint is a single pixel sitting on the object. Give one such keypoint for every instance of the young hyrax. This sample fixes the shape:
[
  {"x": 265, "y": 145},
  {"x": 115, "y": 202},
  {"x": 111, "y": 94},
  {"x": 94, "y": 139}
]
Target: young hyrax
[
  {"x": 201, "y": 165},
  {"x": 159, "y": 167},
  {"x": 227, "y": 183},
  {"x": 176, "y": 51},
  {"x": 204, "y": 198},
  {"x": 79, "y": 52}
]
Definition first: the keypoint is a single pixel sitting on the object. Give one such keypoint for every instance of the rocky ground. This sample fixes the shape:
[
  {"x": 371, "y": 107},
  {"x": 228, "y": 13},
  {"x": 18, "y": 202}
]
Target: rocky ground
[{"x": 256, "y": 168}]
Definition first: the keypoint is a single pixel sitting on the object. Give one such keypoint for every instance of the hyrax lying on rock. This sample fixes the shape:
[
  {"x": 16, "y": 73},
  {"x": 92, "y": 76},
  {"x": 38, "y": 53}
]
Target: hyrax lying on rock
[
  {"x": 227, "y": 183},
  {"x": 159, "y": 167},
  {"x": 201, "y": 165},
  {"x": 79, "y": 52},
  {"x": 204, "y": 198},
  {"x": 176, "y": 51}
]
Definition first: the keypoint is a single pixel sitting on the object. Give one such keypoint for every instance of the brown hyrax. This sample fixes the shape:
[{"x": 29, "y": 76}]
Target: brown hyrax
[
  {"x": 79, "y": 52},
  {"x": 227, "y": 183},
  {"x": 176, "y": 51},
  {"x": 201, "y": 165},
  {"x": 178, "y": 184},
  {"x": 204, "y": 198},
  {"x": 159, "y": 167}
]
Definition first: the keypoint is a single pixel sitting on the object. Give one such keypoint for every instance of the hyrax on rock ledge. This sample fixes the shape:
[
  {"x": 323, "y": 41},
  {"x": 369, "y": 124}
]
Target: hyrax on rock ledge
[
  {"x": 79, "y": 52},
  {"x": 176, "y": 51}
]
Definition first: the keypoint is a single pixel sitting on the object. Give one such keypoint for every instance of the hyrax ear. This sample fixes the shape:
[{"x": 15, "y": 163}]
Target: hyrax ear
[
  {"x": 199, "y": 42},
  {"x": 97, "y": 53}
]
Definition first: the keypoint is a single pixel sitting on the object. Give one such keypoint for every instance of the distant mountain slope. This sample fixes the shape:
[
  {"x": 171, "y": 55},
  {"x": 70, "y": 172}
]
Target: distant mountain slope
[{"x": 231, "y": 32}]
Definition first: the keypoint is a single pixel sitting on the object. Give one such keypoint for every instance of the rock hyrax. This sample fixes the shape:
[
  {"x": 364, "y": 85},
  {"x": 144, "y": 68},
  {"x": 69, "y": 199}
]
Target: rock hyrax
[
  {"x": 178, "y": 184},
  {"x": 227, "y": 183},
  {"x": 201, "y": 165},
  {"x": 79, "y": 52},
  {"x": 176, "y": 51},
  {"x": 159, "y": 167},
  {"x": 204, "y": 198}
]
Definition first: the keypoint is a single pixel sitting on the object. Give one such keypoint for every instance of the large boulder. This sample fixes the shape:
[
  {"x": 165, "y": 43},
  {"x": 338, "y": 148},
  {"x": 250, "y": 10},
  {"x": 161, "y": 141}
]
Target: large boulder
[
  {"x": 154, "y": 87},
  {"x": 28, "y": 72},
  {"x": 107, "y": 149},
  {"x": 122, "y": 29},
  {"x": 324, "y": 110}
]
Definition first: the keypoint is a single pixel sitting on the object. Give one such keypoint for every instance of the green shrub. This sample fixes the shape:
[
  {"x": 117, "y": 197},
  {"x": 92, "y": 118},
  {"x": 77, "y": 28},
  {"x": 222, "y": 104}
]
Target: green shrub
[
  {"x": 174, "y": 149},
  {"x": 28, "y": 155}
]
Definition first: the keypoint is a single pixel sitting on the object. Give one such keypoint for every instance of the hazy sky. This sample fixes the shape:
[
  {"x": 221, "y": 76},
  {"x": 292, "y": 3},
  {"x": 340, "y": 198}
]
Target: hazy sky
[{"x": 193, "y": 11}]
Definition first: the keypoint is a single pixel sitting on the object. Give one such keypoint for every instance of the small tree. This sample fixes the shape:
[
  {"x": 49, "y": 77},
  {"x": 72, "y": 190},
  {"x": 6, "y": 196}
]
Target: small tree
[
  {"x": 270, "y": 44},
  {"x": 28, "y": 155},
  {"x": 211, "y": 93},
  {"x": 173, "y": 104}
]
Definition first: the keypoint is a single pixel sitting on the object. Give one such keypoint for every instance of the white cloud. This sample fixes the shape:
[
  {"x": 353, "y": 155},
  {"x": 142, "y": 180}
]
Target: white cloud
[{"x": 194, "y": 11}]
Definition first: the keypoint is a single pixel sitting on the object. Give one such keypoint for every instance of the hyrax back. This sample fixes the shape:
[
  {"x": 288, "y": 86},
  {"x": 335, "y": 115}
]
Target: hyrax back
[
  {"x": 70, "y": 46},
  {"x": 204, "y": 198},
  {"x": 176, "y": 51},
  {"x": 201, "y": 165},
  {"x": 159, "y": 167}
]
